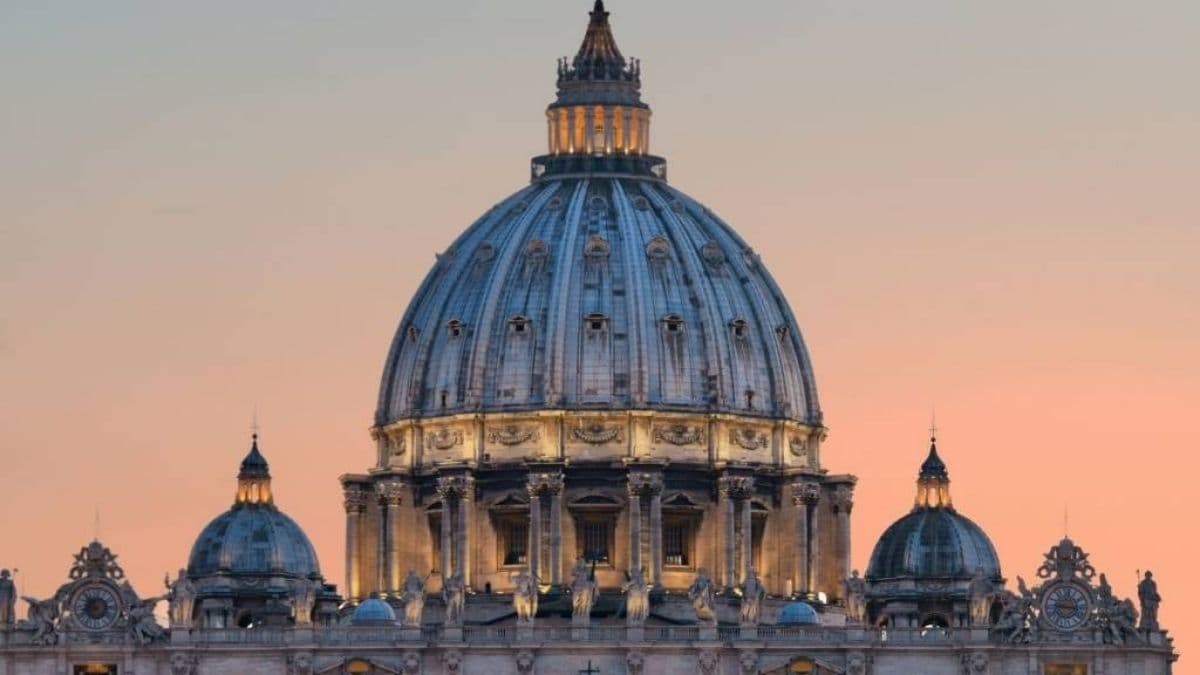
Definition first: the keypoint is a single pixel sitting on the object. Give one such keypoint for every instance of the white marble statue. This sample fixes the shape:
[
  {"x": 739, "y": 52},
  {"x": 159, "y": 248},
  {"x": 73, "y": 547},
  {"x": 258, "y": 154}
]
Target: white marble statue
[
  {"x": 752, "y": 597},
  {"x": 525, "y": 597},
  {"x": 181, "y": 598},
  {"x": 637, "y": 598},
  {"x": 979, "y": 593},
  {"x": 702, "y": 593},
  {"x": 454, "y": 595},
  {"x": 1150, "y": 599},
  {"x": 583, "y": 590},
  {"x": 413, "y": 597},
  {"x": 8, "y": 599},
  {"x": 42, "y": 616},
  {"x": 856, "y": 598}
]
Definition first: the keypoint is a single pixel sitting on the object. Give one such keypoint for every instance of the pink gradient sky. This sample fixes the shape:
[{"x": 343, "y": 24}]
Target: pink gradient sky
[{"x": 991, "y": 208}]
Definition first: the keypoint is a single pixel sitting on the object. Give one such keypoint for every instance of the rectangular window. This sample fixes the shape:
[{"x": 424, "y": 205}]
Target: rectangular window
[
  {"x": 677, "y": 542},
  {"x": 96, "y": 669},
  {"x": 435, "y": 534},
  {"x": 514, "y": 538},
  {"x": 595, "y": 536},
  {"x": 1066, "y": 669}
]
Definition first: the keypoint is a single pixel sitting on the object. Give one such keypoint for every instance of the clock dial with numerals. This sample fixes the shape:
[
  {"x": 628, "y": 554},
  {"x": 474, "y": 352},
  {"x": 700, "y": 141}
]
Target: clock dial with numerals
[
  {"x": 96, "y": 607},
  {"x": 1066, "y": 606}
]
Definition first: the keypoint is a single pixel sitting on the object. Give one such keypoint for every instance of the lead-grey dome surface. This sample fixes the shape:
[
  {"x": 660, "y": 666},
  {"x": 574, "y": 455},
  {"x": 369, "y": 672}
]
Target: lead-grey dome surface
[
  {"x": 933, "y": 543},
  {"x": 598, "y": 291},
  {"x": 253, "y": 540}
]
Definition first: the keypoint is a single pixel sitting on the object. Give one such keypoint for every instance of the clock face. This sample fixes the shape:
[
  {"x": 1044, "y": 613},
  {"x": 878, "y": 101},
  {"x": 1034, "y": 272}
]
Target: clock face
[
  {"x": 96, "y": 607},
  {"x": 1066, "y": 607}
]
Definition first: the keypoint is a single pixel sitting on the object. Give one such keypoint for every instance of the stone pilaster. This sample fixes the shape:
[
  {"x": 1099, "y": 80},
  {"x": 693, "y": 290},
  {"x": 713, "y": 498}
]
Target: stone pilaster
[
  {"x": 843, "y": 503},
  {"x": 355, "y": 501},
  {"x": 804, "y": 498},
  {"x": 736, "y": 492},
  {"x": 635, "y": 526}
]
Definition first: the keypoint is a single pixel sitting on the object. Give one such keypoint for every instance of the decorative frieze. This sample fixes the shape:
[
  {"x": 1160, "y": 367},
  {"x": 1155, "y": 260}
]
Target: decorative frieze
[
  {"x": 678, "y": 434},
  {"x": 597, "y": 433},
  {"x": 513, "y": 434},
  {"x": 747, "y": 438},
  {"x": 444, "y": 439}
]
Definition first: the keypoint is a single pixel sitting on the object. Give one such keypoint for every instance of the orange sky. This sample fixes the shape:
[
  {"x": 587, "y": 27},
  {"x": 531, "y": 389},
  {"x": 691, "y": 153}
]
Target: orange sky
[{"x": 987, "y": 210}]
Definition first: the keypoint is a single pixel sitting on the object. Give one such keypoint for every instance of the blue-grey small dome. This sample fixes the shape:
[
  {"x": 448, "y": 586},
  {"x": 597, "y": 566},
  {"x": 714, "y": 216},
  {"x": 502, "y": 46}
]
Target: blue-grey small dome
[
  {"x": 797, "y": 614},
  {"x": 373, "y": 611},
  {"x": 253, "y": 539},
  {"x": 933, "y": 543}
]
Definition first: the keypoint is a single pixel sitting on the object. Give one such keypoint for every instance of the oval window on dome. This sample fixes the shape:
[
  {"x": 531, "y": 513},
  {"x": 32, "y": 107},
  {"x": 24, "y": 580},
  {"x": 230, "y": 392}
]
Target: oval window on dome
[
  {"x": 537, "y": 248},
  {"x": 641, "y": 203},
  {"x": 519, "y": 324},
  {"x": 658, "y": 248},
  {"x": 596, "y": 247},
  {"x": 485, "y": 252},
  {"x": 455, "y": 328},
  {"x": 598, "y": 203},
  {"x": 712, "y": 254},
  {"x": 673, "y": 323}
]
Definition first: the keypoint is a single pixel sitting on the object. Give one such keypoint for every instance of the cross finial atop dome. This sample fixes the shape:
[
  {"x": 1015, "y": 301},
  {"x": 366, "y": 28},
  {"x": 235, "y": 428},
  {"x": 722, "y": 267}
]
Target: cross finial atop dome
[{"x": 254, "y": 477}]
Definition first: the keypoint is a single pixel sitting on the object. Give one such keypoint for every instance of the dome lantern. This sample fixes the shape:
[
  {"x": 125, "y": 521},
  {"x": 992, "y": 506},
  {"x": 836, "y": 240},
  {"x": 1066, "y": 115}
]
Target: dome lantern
[
  {"x": 254, "y": 478},
  {"x": 933, "y": 481},
  {"x": 598, "y": 111}
]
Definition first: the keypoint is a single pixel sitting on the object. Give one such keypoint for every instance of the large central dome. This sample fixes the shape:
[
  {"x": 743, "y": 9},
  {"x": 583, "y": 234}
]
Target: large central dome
[{"x": 598, "y": 285}]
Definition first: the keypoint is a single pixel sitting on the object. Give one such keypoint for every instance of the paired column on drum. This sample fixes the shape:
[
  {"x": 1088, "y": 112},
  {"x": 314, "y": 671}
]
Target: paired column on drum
[
  {"x": 391, "y": 497},
  {"x": 355, "y": 501},
  {"x": 843, "y": 502},
  {"x": 805, "y": 498},
  {"x": 457, "y": 493},
  {"x": 545, "y": 488},
  {"x": 738, "y": 526},
  {"x": 646, "y": 485}
]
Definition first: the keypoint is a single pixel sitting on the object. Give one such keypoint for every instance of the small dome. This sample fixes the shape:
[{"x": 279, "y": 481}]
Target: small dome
[
  {"x": 797, "y": 614},
  {"x": 373, "y": 611},
  {"x": 253, "y": 540},
  {"x": 933, "y": 543}
]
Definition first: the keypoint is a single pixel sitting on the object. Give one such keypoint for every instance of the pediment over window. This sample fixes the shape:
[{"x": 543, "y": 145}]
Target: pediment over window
[{"x": 595, "y": 502}]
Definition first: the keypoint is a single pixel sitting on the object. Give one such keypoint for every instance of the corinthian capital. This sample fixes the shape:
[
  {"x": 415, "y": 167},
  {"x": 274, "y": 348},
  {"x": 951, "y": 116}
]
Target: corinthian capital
[
  {"x": 644, "y": 483},
  {"x": 736, "y": 487},
  {"x": 454, "y": 486},
  {"x": 843, "y": 498},
  {"x": 390, "y": 492},
  {"x": 540, "y": 484},
  {"x": 354, "y": 498},
  {"x": 805, "y": 494}
]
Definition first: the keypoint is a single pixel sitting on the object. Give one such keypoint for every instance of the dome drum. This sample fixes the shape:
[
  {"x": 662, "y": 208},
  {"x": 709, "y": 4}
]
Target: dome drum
[{"x": 514, "y": 437}]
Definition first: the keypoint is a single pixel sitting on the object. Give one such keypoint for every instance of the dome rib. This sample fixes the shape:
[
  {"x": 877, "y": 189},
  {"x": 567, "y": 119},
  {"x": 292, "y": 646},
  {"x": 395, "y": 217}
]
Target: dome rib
[{"x": 637, "y": 361}]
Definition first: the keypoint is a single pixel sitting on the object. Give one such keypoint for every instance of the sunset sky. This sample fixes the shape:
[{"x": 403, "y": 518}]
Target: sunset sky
[{"x": 987, "y": 208}]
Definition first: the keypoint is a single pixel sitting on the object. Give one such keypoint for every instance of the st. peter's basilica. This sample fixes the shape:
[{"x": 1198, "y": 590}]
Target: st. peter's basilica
[{"x": 598, "y": 449}]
